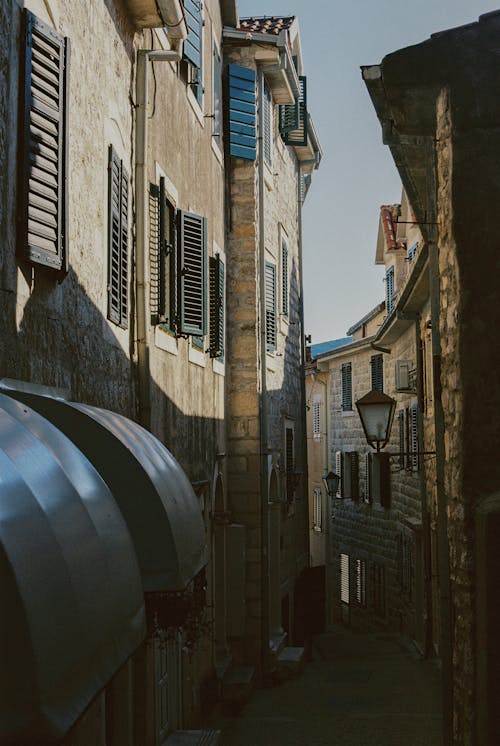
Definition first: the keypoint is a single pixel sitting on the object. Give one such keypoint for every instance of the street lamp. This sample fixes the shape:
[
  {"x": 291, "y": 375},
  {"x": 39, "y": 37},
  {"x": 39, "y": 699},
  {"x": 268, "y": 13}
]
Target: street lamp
[
  {"x": 376, "y": 412},
  {"x": 331, "y": 482}
]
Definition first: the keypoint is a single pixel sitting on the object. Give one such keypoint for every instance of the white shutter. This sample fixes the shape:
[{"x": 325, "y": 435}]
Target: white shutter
[
  {"x": 344, "y": 578},
  {"x": 338, "y": 470}
]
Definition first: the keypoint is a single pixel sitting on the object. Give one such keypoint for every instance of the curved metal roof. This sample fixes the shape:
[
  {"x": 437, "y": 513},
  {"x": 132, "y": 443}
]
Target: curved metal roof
[
  {"x": 153, "y": 492},
  {"x": 72, "y": 599}
]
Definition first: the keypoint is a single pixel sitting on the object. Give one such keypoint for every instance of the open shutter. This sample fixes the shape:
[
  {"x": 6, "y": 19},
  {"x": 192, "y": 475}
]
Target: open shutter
[
  {"x": 216, "y": 307},
  {"x": 401, "y": 427},
  {"x": 298, "y": 135},
  {"x": 270, "y": 298},
  {"x": 42, "y": 176},
  {"x": 194, "y": 23},
  {"x": 117, "y": 240},
  {"x": 368, "y": 478},
  {"x": 192, "y": 256},
  {"x": 267, "y": 121},
  {"x": 339, "y": 468},
  {"x": 389, "y": 290},
  {"x": 377, "y": 372},
  {"x": 284, "y": 278},
  {"x": 346, "y": 387},
  {"x": 289, "y": 117},
  {"x": 354, "y": 474},
  {"x": 241, "y": 112},
  {"x": 414, "y": 437}
]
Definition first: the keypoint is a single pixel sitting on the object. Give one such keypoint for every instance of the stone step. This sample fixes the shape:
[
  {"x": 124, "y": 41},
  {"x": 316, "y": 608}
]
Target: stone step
[
  {"x": 290, "y": 661},
  {"x": 193, "y": 738},
  {"x": 276, "y": 643},
  {"x": 237, "y": 684}
]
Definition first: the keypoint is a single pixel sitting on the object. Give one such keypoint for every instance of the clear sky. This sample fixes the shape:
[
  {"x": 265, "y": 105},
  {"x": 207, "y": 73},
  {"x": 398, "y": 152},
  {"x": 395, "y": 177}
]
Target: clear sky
[{"x": 357, "y": 174}]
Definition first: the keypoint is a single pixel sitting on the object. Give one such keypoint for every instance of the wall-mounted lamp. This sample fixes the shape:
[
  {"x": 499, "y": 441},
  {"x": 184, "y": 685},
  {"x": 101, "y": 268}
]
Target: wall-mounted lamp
[
  {"x": 376, "y": 412},
  {"x": 331, "y": 482}
]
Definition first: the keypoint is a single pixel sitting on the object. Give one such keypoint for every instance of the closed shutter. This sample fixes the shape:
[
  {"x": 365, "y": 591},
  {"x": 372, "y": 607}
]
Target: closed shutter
[
  {"x": 354, "y": 465},
  {"x": 346, "y": 387},
  {"x": 216, "y": 307},
  {"x": 316, "y": 419},
  {"x": 344, "y": 578},
  {"x": 298, "y": 135},
  {"x": 377, "y": 372},
  {"x": 270, "y": 302},
  {"x": 368, "y": 478},
  {"x": 361, "y": 582},
  {"x": 117, "y": 240},
  {"x": 414, "y": 437},
  {"x": 241, "y": 112},
  {"x": 317, "y": 509},
  {"x": 290, "y": 463},
  {"x": 192, "y": 280},
  {"x": 217, "y": 128},
  {"x": 154, "y": 252},
  {"x": 339, "y": 467},
  {"x": 389, "y": 290},
  {"x": 192, "y": 46},
  {"x": 268, "y": 124},
  {"x": 284, "y": 278},
  {"x": 43, "y": 165},
  {"x": 401, "y": 427}
]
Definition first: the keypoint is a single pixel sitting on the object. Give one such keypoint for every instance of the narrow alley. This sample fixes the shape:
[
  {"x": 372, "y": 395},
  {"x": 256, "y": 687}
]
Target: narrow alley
[{"x": 357, "y": 689}]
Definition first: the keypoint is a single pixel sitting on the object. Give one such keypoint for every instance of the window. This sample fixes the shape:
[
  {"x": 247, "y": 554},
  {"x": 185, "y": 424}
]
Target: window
[
  {"x": 43, "y": 235},
  {"x": 289, "y": 462},
  {"x": 361, "y": 582},
  {"x": 377, "y": 372},
  {"x": 346, "y": 387},
  {"x": 267, "y": 124},
  {"x": 217, "y": 109},
  {"x": 270, "y": 301},
  {"x": 389, "y": 290},
  {"x": 316, "y": 419},
  {"x": 241, "y": 115},
  {"x": 193, "y": 46},
  {"x": 117, "y": 240},
  {"x": 163, "y": 258},
  {"x": 412, "y": 252},
  {"x": 317, "y": 509},
  {"x": 284, "y": 278},
  {"x": 217, "y": 307},
  {"x": 294, "y": 118},
  {"x": 378, "y": 588}
]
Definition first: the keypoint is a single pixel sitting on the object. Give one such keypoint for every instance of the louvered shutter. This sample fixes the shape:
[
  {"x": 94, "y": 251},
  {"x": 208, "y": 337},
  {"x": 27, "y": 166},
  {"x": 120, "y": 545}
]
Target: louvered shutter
[
  {"x": 290, "y": 463},
  {"x": 43, "y": 165},
  {"x": 270, "y": 301},
  {"x": 216, "y": 307},
  {"x": 284, "y": 278},
  {"x": 298, "y": 135},
  {"x": 241, "y": 112},
  {"x": 414, "y": 437},
  {"x": 192, "y": 275},
  {"x": 369, "y": 478},
  {"x": 267, "y": 123},
  {"x": 192, "y": 46},
  {"x": 339, "y": 468},
  {"x": 117, "y": 240},
  {"x": 377, "y": 372},
  {"x": 154, "y": 252},
  {"x": 354, "y": 466},
  {"x": 216, "y": 132},
  {"x": 344, "y": 578},
  {"x": 289, "y": 117},
  {"x": 316, "y": 419},
  {"x": 346, "y": 387},
  {"x": 389, "y": 290},
  {"x": 401, "y": 425}
]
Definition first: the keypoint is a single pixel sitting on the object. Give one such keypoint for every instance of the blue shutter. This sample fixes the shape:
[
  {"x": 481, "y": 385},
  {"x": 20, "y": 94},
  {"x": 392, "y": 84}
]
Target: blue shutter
[
  {"x": 192, "y": 252},
  {"x": 298, "y": 136},
  {"x": 242, "y": 107},
  {"x": 192, "y": 45},
  {"x": 42, "y": 188}
]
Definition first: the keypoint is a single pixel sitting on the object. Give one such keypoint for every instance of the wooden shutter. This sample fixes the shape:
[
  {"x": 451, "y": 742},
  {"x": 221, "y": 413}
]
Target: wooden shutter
[
  {"x": 401, "y": 427},
  {"x": 117, "y": 240},
  {"x": 316, "y": 419},
  {"x": 284, "y": 278},
  {"x": 192, "y": 49},
  {"x": 298, "y": 135},
  {"x": 361, "y": 582},
  {"x": 344, "y": 578},
  {"x": 289, "y": 117},
  {"x": 414, "y": 437},
  {"x": 339, "y": 468},
  {"x": 346, "y": 387},
  {"x": 270, "y": 302},
  {"x": 241, "y": 112},
  {"x": 368, "y": 478},
  {"x": 42, "y": 215},
  {"x": 192, "y": 275},
  {"x": 217, "y": 125},
  {"x": 162, "y": 252},
  {"x": 377, "y": 372},
  {"x": 267, "y": 123},
  {"x": 216, "y": 307},
  {"x": 290, "y": 463},
  {"x": 389, "y": 290},
  {"x": 354, "y": 467}
]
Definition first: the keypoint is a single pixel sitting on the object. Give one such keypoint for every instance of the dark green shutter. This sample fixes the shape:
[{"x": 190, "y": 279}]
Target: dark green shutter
[
  {"x": 284, "y": 278},
  {"x": 117, "y": 240},
  {"x": 389, "y": 290},
  {"x": 401, "y": 424},
  {"x": 268, "y": 124},
  {"x": 192, "y": 275},
  {"x": 289, "y": 117},
  {"x": 43, "y": 163},
  {"x": 354, "y": 466},
  {"x": 414, "y": 437},
  {"x": 298, "y": 135},
  {"x": 270, "y": 301},
  {"x": 241, "y": 112},
  {"x": 216, "y": 307},
  {"x": 377, "y": 372},
  {"x": 346, "y": 387}
]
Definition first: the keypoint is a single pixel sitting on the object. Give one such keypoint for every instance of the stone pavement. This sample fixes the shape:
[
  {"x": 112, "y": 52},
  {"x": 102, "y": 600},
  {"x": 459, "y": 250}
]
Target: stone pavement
[{"x": 358, "y": 689}]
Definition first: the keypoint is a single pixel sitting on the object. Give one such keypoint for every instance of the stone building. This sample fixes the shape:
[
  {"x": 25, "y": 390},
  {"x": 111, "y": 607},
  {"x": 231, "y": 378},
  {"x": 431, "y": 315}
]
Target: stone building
[
  {"x": 375, "y": 544},
  {"x": 273, "y": 149},
  {"x": 439, "y": 114}
]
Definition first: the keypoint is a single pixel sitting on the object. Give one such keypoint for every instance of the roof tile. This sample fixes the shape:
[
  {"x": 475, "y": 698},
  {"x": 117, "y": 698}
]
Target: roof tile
[{"x": 266, "y": 24}]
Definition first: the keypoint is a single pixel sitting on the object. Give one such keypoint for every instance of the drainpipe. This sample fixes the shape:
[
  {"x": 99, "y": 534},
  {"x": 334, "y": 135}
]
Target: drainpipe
[
  {"x": 144, "y": 56},
  {"x": 264, "y": 445}
]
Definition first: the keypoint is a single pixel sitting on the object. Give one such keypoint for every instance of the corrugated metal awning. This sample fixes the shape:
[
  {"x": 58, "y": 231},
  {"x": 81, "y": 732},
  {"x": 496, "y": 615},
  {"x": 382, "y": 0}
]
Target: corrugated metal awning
[
  {"x": 72, "y": 598},
  {"x": 153, "y": 492}
]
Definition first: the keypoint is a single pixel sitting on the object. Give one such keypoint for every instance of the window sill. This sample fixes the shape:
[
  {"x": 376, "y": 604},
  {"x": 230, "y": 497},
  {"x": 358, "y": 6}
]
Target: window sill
[
  {"x": 271, "y": 361},
  {"x": 165, "y": 341},
  {"x": 195, "y": 106},
  {"x": 196, "y": 356},
  {"x": 217, "y": 152},
  {"x": 268, "y": 177},
  {"x": 219, "y": 368},
  {"x": 347, "y": 412}
]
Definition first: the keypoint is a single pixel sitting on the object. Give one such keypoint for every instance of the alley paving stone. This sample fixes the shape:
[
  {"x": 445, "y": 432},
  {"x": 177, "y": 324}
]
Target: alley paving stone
[{"x": 357, "y": 689}]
